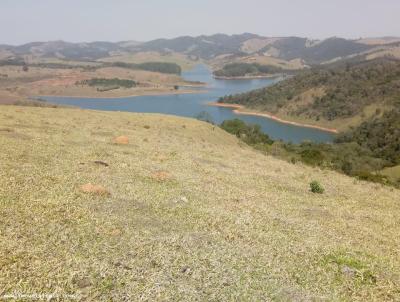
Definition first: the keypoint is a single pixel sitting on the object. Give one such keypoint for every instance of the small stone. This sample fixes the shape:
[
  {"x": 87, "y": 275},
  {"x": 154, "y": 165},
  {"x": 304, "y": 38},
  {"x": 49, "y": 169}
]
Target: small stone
[
  {"x": 102, "y": 163},
  {"x": 348, "y": 272},
  {"x": 185, "y": 269},
  {"x": 121, "y": 140},
  {"x": 161, "y": 176}
]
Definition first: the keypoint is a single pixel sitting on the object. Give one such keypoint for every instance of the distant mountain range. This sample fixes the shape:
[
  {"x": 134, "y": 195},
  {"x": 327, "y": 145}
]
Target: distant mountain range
[
  {"x": 67, "y": 50},
  {"x": 215, "y": 46}
]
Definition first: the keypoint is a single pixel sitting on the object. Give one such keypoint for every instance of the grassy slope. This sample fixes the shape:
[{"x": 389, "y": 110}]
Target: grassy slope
[
  {"x": 144, "y": 57},
  {"x": 193, "y": 215}
]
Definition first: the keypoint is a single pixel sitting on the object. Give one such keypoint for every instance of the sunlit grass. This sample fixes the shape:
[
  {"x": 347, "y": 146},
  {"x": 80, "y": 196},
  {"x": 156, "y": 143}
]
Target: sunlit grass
[{"x": 193, "y": 214}]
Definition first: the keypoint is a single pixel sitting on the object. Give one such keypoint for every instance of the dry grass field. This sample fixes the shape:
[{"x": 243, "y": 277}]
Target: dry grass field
[
  {"x": 379, "y": 41},
  {"x": 151, "y": 56},
  {"x": 16, "y": 84},
  {"x": 256, "y": 44},
  {"x": 393, "y": 52},
  {"x": 266, "y": 60},
  {"x": 178, "y": 210}
]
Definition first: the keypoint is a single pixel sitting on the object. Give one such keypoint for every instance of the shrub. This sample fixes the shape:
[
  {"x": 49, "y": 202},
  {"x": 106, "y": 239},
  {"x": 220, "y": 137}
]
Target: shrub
[
  {"x": 316, "y": 187},
  {"x": 251, "y": 134},
  {"x": 312, "y": 157},
  {"x": 368, "y": 176},
  {"x": 204, "y": 116},
  {"x": 108, "y": 83}
]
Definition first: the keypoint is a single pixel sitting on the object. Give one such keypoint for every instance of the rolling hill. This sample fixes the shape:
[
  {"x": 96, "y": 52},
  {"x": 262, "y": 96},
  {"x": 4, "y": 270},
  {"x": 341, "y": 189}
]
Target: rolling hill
[
  {"x": 119, "y": 206},
  {"x": 66, "y": 50},
  {"x": 359, "y": 99},
  {"x": 340, "y": 95}
]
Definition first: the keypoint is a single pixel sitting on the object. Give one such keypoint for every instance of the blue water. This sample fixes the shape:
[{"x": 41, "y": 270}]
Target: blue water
[{"x": 190, "y": 105}]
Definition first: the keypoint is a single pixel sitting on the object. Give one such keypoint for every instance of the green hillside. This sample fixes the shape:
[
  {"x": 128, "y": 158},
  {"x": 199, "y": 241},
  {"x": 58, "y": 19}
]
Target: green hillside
[
  {"x": 380, "y": 134},
  {"x": 336, "y": 96},
  {"x": 246, "y": 69}
]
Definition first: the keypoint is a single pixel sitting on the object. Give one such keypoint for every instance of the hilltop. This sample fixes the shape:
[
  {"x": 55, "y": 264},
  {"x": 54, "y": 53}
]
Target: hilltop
[{"x": 178, "y": 209}]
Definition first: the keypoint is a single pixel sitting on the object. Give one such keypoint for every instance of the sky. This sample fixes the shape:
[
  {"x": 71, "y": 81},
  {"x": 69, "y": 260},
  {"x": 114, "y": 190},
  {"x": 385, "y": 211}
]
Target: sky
[{"x": 23, "y": 21}]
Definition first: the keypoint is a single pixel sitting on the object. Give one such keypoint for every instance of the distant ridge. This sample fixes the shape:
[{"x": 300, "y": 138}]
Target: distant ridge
[{"x": 212, "y": 47}]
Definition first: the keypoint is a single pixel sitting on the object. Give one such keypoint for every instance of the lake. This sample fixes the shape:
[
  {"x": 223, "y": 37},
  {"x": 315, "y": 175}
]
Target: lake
[{"x": 190, "y": 105}]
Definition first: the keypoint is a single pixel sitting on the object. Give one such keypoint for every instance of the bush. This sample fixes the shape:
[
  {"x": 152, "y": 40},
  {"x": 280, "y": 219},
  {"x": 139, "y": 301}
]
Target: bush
[
  {"x": 312, "y": 157},
  {"x": 114, "y": 83},
  {"x": 251, "y": 134},
  {"x": 368, "y": 176},
  {"x": 316, "y": 187},
  {"x": 204, "y": 116}
]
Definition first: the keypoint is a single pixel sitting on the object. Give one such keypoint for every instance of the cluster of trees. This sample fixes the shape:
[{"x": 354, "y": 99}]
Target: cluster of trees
[
  {"x": 249, "y": 133},
  {"x": 12, "y": 62},
  {"x": 348, "y": 90},
  {"x": 162, "y": 67},
  {"x": 108, "y": 84},
  {"x": 246, "y": 69},
  {"x": 347, "y": 155},
  {"x": 380, "y": 134}
]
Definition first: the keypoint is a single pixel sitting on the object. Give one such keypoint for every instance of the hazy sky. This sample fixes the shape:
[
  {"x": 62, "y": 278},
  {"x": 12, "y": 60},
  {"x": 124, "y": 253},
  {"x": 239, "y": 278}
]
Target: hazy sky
[{"x": 24, "y": 21}]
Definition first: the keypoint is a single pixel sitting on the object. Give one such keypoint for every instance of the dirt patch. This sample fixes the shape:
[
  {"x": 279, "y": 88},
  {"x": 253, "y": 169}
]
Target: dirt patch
[
  {"x": 161, "y": 176},
  {"x": 121, "y": 140},
  {"x": 94, "y": 189}
]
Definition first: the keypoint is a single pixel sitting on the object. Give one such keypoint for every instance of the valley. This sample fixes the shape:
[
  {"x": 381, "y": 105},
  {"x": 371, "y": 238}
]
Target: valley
[
  {"x": 200, "y": 168},
  {"x": 55, "y": 67}
]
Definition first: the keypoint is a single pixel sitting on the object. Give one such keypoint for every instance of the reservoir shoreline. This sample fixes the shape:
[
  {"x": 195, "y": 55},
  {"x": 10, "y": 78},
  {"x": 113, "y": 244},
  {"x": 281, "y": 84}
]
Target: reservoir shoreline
[
  {"x": 192, "y": 102},
  {"x": 241, "y": 110}
]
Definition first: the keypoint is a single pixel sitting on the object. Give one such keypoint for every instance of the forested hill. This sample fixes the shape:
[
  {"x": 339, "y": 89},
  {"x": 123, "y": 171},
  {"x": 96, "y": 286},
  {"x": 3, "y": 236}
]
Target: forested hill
[
  {"x": 367, "y": 94},
  {"x": 380, "y": 134},
  {"x": 245, "y": 69},
  {"x": 330, "y": 94}
]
